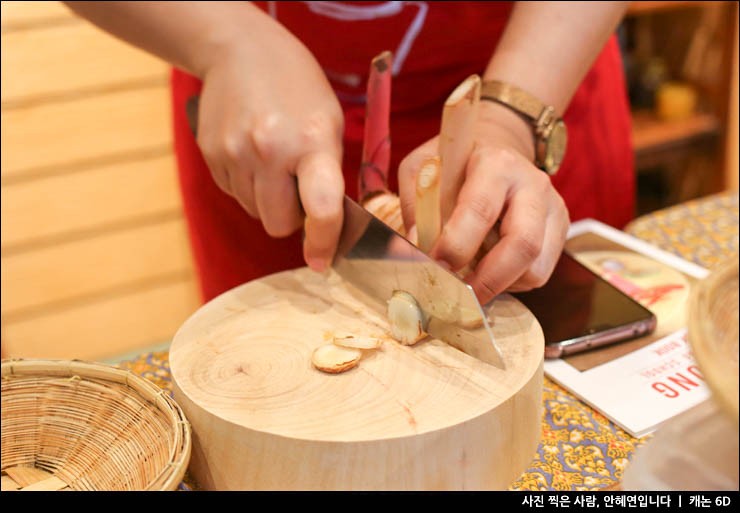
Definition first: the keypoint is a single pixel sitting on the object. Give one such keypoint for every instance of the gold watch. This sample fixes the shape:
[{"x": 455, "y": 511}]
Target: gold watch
[{"x": 550, "y": 134}]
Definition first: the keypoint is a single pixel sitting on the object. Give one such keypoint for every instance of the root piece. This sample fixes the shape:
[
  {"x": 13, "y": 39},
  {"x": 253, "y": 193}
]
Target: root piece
[
  {"x": 357, "y": 341},
  {"x": 428, "y": 213},
  {"x": 334, "y": 359},
  {"x": 406, "y": 317},
  {"x": 456, "y": 140}
]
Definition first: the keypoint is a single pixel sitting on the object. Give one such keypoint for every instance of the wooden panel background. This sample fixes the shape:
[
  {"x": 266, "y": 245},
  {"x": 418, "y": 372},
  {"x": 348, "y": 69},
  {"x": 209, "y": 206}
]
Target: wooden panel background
[
  {"x": 731, "y": 145},
  {"x": 95, "y": 256}
]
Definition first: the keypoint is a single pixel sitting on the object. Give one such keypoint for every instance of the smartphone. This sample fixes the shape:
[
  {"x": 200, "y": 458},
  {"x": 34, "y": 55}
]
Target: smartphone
[{"x": 579, "y": 310}]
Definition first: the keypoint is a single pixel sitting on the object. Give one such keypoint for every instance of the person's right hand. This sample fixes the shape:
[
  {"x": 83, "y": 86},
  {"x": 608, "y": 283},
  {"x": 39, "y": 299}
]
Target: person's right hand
[{"x": 270, "y": 129}]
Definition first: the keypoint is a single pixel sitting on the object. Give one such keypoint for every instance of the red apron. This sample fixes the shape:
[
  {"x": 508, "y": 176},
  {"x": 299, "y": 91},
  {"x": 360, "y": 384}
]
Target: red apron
[{"x": 435, "y": 46}]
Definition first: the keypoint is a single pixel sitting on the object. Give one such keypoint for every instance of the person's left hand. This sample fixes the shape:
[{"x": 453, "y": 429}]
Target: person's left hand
[{"x": 501, "y": 185}]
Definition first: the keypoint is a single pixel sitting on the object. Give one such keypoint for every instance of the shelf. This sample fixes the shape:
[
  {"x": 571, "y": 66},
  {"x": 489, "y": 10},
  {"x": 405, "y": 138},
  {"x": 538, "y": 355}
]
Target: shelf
[
  {"x": 638, "y": 8},
  {"x": 650, "y": 133}
]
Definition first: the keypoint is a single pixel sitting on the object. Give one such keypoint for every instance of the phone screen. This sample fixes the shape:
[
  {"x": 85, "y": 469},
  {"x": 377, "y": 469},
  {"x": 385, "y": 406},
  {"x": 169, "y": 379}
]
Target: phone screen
[{"x": 578, "y": 310}]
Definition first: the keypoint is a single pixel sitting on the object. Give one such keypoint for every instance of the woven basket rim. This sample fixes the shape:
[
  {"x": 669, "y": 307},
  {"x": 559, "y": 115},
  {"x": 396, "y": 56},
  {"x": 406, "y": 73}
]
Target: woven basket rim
[
  {"x": 180, "y": 450},
  {"x": 716, "y": 368}
]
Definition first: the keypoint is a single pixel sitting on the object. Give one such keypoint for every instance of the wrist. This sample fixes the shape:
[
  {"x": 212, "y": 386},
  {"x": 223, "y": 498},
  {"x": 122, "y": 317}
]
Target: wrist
[
  {"x": 505, "y": 127},
  {"x": 221, "y": 44},
  {"x": 227, "y": 40},
  {"x": 550, "y": 135}
]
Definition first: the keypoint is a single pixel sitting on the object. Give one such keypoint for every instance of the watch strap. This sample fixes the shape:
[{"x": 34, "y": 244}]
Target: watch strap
[
  {"x": 542, "y": 118},
  {"x": 513, "y": 97}
]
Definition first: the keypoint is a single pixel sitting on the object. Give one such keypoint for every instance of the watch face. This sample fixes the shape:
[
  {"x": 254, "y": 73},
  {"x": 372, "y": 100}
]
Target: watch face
[{"x": 556, "y": 144}]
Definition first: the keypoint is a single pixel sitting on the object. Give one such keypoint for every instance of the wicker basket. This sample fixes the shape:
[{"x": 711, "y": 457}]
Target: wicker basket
[
  {"x": 713, "y": 333},
  {"x": 89, "y": 426}
]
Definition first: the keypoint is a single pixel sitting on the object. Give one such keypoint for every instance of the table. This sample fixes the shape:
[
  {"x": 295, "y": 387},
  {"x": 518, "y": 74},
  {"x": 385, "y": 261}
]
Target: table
[{"x": 581, "y": 449}]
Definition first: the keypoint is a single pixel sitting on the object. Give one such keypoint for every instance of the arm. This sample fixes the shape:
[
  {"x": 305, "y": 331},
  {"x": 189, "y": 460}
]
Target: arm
[
  {"x": 189, "y": 35},
  {"x": 258, "y": 133},
  {"x": 546, "y": 49}
]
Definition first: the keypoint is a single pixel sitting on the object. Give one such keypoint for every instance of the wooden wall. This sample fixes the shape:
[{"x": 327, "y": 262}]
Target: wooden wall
[
  {"x": 733, "y": 166},
  {"x": 95, "y": 257}
]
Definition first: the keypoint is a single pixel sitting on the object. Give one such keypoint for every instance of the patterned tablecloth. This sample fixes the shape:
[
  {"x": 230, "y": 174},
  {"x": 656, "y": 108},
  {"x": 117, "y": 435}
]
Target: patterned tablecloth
[{"x": 581, "y": 449}]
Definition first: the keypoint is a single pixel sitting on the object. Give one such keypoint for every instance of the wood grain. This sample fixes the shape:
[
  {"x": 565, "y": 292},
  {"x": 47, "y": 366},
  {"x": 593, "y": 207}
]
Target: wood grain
[
  {"x": 732, "y": 160},
  {"x": 7, "y": 484},
  {"x": 650, "y": 133},
  {"x": 48, "y": 136},
  {"x": 80, "y": 57},
  {"x": 105, "y": 327},
  {"x": 24, "y": 15},
  {"x": 94, "y": 257},
  {"x": 81, "y": 268},
  {"x": 51, "y": 484},
  {"x": 425, "y": 417},
  {"x": 650, "y": 7},
  {"x": 26, "y": 476},
  {"x": 53, "y": 208}
]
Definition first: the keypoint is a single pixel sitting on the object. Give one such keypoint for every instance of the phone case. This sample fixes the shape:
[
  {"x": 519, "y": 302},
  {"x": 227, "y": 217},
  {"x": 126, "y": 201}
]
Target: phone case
[{"x": 601, "y": 338}]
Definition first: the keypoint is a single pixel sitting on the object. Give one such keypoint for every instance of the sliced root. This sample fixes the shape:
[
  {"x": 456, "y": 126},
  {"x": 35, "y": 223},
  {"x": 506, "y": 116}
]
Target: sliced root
[
  {"x": 387, "y": 208},
  {"x": 334, "y": 359},
  {"x": 470, "y": 318},
  {"x": 357, "y": 341},
  {"x": 406, "y": 318}
]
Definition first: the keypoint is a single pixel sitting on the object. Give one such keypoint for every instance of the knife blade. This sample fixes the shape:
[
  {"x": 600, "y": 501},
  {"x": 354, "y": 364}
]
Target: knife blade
[{"x": 378, "y": 261}]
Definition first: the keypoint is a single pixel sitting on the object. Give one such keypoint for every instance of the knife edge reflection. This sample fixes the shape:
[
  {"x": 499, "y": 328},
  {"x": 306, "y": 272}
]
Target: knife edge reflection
[{"x": 379, "y": 261}]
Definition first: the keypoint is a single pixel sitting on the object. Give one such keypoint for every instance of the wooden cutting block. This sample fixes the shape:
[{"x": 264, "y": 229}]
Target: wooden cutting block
[{"x": 422, "y": 417}]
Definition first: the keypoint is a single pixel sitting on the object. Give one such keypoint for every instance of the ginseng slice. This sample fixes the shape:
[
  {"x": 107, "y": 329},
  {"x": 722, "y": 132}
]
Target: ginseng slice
[
  {"x": 357, "y": 341},
  {"x": 406, "y": 318},
  {"x": 334, "y": 359}
]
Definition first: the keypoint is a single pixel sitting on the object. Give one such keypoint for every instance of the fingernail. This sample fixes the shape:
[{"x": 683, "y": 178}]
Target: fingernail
[
  {"x": 412, "y": 235},
  {"x": 317, "y": 264}
]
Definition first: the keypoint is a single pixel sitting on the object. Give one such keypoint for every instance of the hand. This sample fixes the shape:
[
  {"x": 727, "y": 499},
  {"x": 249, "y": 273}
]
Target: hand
[
  {"x": 501, "y": 185},
  {"x": 270, "y": 129}
]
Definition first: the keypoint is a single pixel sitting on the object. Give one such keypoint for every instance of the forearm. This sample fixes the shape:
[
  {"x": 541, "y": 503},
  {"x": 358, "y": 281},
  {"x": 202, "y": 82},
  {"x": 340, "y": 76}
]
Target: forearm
[
  {"x": 548, "y": 47},
  {"x": 189, "y": 35},
  {"x": 546, "y": 50}
]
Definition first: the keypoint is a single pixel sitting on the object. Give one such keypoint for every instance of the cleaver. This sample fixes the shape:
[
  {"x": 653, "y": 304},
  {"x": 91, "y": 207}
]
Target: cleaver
[{"x": 378, "y": 260}]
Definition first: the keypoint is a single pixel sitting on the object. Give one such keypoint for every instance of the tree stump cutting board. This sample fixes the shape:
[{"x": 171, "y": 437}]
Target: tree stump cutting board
[{"x": 422, "y": 417}]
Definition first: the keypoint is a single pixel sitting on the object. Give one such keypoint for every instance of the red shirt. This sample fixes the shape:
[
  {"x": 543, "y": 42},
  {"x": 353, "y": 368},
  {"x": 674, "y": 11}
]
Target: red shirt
[{"x": 435, "y": 46}]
